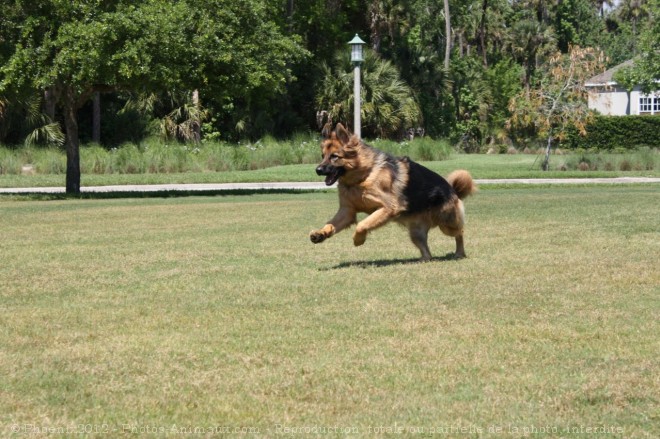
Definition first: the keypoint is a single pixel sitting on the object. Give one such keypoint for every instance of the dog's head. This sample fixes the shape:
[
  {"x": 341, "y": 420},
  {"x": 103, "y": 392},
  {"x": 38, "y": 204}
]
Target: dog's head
[{"x": 339, "y": 151}]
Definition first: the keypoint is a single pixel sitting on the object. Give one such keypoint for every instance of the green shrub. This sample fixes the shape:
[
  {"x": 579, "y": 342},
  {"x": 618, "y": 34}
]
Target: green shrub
[
  {"x": 215, "y": 156},
  {"x": 166, "y": 157},
  {"x": 427, "y": 149},
  {"x": 419, "y": 149},
  {"x": 240, "y": 157},
  {"x": 153, "y": 155},
  {"x": 616, "y": 133},
  {"x": 649, "y": 158},
  {"x": 49, "y": 161},
  {"x": 306, "y": 147},
  {"x": 127, "y": 159},
  {"x": 94, "y": 159},
  {"x": 10, "y": 163},
  {"x": 269, "y": 152},
  {"x": 390, "y": 146},
  {"x": 645, "y": 159}
]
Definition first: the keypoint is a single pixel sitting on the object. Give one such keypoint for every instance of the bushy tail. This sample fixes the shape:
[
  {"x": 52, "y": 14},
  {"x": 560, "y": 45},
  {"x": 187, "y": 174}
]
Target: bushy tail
[{"x": 462, "y": 182}]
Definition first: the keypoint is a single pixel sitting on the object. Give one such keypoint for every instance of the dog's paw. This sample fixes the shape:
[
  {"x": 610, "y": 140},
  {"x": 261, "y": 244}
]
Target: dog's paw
[
  {"x": 359, "y": 238},
  {"x": 317, "y": 236}
]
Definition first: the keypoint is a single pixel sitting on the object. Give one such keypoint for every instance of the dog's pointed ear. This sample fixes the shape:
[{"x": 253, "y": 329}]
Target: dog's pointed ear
[
  {"x": 342, "y": 134},
  {"x": 327, "y": 130}
]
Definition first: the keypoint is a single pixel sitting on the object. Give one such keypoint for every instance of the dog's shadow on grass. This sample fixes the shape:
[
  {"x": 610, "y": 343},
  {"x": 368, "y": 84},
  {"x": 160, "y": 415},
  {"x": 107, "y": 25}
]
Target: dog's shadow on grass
[{"x": 378, "y": 263}]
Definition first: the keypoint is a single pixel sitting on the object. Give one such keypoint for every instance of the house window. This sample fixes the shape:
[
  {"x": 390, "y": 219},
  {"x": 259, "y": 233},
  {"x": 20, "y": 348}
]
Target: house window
[{"x": 649, "y": 105}]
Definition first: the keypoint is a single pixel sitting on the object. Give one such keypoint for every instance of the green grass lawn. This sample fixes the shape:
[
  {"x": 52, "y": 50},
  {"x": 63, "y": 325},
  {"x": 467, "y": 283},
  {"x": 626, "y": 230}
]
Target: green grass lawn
[
  {"x": 480, "y": 165},
  {"x": 129, "y": 316}
]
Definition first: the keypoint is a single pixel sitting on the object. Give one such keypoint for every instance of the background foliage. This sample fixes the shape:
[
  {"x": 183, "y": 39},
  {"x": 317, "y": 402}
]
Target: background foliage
[{"x": 268, "y": 67}]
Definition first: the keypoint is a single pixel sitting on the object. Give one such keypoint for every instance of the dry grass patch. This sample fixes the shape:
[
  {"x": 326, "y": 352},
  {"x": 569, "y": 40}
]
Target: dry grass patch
[{"x": 217, "y": 311}]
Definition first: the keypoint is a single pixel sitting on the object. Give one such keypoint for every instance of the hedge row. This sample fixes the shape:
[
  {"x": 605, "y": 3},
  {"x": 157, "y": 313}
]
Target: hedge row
[{"x": 612, "y": 133}]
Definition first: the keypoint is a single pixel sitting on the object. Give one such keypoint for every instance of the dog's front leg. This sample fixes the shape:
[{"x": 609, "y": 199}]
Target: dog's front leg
[
  {"x": 342, "y": 219},
  {"x": 373, "y": 221}
]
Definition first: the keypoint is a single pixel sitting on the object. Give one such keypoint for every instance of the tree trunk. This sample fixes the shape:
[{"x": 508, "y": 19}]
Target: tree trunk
[
  {"x": 289, "y": 15},
  {"x": 527, "y": 77},
  {"x": 72, "y": 142},
  {"x": 459, "y": 34},
  {"x": 482, "y": 32},
  {"x": 374, "y": 26},
  {"x": 49, "y": 103},
  {"x": 447, "y": 35},
  {"x": 196, "y": 125},
  {"x": 546, "y": 161},
  {"x": 96, "y": 118}
]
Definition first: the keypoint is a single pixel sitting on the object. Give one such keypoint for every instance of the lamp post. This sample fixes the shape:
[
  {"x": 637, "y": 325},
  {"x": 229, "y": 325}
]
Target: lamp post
[{"x": 356, "y": 58}]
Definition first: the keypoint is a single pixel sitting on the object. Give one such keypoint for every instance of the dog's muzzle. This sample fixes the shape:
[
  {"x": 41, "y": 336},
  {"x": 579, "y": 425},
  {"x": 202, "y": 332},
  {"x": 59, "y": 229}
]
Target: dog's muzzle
[{"x": 332, "y": 173}]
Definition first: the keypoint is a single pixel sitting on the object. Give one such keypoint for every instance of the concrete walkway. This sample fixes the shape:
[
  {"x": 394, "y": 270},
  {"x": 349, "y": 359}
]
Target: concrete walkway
[{"x": 217, "y": 187}]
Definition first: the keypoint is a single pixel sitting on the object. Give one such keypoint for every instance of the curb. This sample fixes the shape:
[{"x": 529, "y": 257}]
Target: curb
[{"x": 306, "y": 186}]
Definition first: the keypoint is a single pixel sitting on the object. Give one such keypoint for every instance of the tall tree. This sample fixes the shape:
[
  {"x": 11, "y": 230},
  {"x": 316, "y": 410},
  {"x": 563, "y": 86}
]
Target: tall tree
[
  {"x": 77, "y": 48},
  {"x": 420, "y": 55}
]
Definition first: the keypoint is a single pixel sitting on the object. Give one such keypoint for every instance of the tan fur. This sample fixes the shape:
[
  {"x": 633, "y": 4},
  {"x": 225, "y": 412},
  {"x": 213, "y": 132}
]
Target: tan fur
[
  {"x": 462, "y": 182},
  {"x": 368, "y": 185}
]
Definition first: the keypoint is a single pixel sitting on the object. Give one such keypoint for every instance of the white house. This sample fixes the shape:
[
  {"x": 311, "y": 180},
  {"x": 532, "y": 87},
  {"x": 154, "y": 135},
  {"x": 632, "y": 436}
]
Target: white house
[{"x": 609, "y": 98}]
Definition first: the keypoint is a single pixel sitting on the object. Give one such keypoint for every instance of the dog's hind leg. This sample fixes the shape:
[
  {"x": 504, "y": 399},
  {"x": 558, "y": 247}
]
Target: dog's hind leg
[
  {"x": 460, "y": 250},
  {"x": 419, "y": 236},
  {"x": 458, "y": 234},
  {"x": 451, "y": 219}
]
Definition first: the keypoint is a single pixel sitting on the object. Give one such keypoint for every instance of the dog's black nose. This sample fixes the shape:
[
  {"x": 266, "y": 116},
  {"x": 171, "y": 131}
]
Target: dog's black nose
[{"x": 320, "y": 170}]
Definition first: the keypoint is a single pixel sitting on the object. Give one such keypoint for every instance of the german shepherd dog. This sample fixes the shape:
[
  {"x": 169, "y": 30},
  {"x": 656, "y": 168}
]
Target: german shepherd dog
[{"x": 389, "y": 188}]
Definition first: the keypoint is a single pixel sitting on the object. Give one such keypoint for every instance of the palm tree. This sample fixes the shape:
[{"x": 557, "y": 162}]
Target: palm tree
[
  {"x": 528, "y": 40},
  {"x": 633, "y": 10},
  {"x": 388, "y": 103},
  {"x": 184, "y": 113},
  {"x": 184, "y": 121},
  {"x": 27, "y": 114},
  {"x": 43, "y": 129}
]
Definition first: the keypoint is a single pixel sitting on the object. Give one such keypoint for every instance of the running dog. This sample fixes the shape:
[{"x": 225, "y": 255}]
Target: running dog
[{"x": 390, "y": 188}]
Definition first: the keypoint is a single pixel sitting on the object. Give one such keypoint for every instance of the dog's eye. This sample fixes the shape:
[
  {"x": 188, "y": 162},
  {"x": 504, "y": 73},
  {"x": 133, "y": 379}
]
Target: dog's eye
[{"x": 334, "y": 156}]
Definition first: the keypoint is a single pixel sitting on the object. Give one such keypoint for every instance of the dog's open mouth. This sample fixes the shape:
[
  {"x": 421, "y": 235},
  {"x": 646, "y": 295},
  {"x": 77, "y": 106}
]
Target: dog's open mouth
[
  {"x": 333, "y": 176},
  {"x": 331, "y": 173}
]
